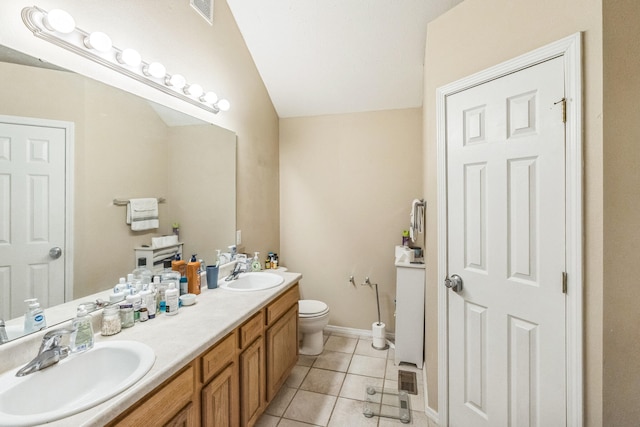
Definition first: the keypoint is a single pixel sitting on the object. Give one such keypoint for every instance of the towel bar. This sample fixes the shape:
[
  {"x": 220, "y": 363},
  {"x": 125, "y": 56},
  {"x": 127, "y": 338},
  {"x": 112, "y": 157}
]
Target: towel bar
[{"x": 124, "y": 202}]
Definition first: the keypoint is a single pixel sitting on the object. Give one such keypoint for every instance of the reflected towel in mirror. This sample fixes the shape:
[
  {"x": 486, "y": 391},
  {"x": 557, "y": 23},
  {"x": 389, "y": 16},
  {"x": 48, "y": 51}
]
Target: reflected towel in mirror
[{"x": 142, "y": 214}]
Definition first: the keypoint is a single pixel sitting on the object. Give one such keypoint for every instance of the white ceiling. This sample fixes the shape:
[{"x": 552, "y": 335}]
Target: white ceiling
[{"x": 321, "y": 57}]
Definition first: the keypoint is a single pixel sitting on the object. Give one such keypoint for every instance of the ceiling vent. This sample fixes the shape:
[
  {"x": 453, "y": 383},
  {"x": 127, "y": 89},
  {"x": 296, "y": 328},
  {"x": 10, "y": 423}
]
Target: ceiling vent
[{"x": 204, "y": 8}]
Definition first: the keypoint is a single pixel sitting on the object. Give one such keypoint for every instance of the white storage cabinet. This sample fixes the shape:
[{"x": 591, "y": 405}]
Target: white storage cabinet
[{"x": 410, "y": 313}]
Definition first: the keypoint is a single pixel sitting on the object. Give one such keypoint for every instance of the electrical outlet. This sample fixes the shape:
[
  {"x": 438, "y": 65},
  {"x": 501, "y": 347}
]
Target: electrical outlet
[{"x": 238, "y": 237}]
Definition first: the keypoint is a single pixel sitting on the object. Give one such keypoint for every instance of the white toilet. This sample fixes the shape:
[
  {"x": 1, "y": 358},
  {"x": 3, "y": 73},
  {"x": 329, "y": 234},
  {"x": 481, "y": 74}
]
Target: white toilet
[{"x": 313, "y": 316}]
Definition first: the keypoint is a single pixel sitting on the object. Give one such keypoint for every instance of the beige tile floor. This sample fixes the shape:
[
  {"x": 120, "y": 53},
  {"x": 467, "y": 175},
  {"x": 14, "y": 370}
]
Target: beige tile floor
[{"x": 328, "y": 390}]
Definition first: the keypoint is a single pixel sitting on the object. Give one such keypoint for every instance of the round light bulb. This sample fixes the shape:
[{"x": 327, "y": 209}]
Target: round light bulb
[
  {"x": 176, "y": 80},
  {"x": 194, "y": 90},
  {"x": 130, "y": 57},
  {"x": 98, "y": 41},
  {"x": 60, "y": 21},
  {"x": 209, "y": 97},
  {"x": 223, "y": 105},
  {"x": 155, "y": 69}
]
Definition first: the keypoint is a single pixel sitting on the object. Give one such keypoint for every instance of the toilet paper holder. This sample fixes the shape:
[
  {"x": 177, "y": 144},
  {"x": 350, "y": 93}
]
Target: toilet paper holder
[{"x": 377, "y": 327}]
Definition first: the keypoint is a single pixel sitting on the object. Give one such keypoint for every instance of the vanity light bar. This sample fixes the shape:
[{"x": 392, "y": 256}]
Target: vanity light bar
[{"x": 58, "y": 27}]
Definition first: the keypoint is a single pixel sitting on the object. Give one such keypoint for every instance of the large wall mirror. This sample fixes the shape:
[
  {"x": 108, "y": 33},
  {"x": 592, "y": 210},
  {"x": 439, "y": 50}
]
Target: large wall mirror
[{"x": 122, "y": 147}]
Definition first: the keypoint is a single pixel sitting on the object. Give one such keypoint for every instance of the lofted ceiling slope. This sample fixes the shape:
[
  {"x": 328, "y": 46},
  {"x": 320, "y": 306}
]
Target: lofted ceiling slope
[{"x": 320, "y": 57}]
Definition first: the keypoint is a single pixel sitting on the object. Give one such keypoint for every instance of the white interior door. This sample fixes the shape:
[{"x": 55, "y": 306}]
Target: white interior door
[
  {"x": 32, "y": 215},
  {"x": 505, "y": 143}
]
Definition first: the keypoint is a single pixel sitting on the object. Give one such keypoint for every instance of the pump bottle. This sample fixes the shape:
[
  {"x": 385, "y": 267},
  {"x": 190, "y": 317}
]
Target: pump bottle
[
  {"x": 82, "y": 336},
  {"x": 193, "y": 275},
  {"x": 34, "y": 319}
]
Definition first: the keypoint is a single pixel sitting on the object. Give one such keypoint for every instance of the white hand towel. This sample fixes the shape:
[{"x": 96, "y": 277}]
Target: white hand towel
[{"x": 142, "y": 214}]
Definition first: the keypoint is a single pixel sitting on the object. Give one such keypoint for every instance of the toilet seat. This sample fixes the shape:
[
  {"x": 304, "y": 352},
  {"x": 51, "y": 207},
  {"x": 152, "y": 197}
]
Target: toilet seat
[{"x": 312, "y": 308}]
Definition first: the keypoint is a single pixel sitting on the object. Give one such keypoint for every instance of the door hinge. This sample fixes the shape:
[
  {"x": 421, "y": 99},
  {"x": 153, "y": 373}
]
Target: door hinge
[
  {"x": 564, "y": 282},
  {"x": 564, "y": 109}
]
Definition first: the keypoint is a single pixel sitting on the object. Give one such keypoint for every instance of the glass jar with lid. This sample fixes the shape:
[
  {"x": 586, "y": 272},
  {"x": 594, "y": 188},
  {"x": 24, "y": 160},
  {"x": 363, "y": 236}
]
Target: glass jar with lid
[
  {"x": 111, "y": 324},
  {"x": 126, "y": 315}
]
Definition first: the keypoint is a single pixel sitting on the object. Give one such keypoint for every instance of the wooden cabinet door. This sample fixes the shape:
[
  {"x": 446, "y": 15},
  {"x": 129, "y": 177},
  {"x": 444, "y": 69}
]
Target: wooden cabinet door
[
  {"x": 187, "y": 417},
  {"x": 252, "y": 383},
  {"x": 282, "y": 350},
  {"x": 166, "y": 404},
  {"x": 220, "y": 399}
]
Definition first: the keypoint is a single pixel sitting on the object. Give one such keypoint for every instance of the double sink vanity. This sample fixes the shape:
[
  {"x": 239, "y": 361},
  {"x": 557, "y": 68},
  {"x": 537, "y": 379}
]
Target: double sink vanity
[{"x": 218, "y": 362}]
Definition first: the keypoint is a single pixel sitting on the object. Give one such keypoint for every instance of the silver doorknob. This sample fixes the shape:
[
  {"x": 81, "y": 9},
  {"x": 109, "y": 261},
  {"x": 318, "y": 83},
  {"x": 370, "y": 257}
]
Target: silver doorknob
[
  {"x": 55, "y": 253},
  {"x": 454, "y": 283}
]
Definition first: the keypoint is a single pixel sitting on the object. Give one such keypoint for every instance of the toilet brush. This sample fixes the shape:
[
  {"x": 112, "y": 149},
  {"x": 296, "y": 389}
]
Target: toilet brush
[{"x": 378, "y": 329}]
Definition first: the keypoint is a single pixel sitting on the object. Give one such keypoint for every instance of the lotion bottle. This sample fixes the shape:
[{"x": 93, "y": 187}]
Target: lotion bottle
[
  {"x": 179, "y": 265},
  {"x": 82, "y": 336},
  {"x": 193, "y": 275},
  {"x": 171, "y": 296}
]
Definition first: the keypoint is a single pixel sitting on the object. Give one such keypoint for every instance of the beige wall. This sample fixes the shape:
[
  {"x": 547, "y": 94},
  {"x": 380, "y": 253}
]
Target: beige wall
[
  {"x": 621, "y": 156},
  {"x": 346, "y": 187},
  {"x": 202, "y": 190},
  {"x": 213, "y": 55},
  {"x": 476, "y": 35}
]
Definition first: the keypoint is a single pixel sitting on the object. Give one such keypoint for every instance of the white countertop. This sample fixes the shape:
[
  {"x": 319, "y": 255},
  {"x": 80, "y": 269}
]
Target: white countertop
[{"x": 177, "y": 340}]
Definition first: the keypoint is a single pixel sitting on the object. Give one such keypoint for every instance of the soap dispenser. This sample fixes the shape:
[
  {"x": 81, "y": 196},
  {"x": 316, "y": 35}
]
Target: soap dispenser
[
  {"x": 34, "y": 319},
  {"x": 82, "y": 336},
  {"x": 255, "y": 264}
]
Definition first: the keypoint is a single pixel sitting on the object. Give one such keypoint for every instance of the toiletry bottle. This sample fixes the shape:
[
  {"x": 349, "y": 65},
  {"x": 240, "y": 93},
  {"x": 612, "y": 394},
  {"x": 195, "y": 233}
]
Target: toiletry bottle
[
  {"x": 203, "y": 275},
  {"x": 274, "y": 262},
  {"x": 267, "y": 262},
  {"x": 82, "y": 336},
  {"x": 193, "y": 275},
  {"x": 255, "y": 264},
  {"x": 179, "y": 265},
  {"x": 168, "y": 276},
  {"x": 3, "y": 333},
  {"x": 118, "y": 291},
  {"x": 405, "y": 238},
  {"x": 135, "y": 300},
  {"x": 184, "y": 286},
  {"x": 34, "y": 319},
  {"x": 171, "y": 295},
  {"x": 148, "y": 301},
  {"x": 142, "y": 274}
]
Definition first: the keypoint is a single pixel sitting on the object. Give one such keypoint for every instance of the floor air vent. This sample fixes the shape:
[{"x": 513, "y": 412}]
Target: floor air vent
[{"x": 408, "y": 382}]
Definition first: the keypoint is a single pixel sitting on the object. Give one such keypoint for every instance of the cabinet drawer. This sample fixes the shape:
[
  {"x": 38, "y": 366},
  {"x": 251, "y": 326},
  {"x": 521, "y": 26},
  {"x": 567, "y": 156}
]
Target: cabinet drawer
[
  {"x": 164, "y": 402},
  {"x": 251, "y": 329},
  {"x": 218, "y": 357},
  {"x": 280, "y": 306}
]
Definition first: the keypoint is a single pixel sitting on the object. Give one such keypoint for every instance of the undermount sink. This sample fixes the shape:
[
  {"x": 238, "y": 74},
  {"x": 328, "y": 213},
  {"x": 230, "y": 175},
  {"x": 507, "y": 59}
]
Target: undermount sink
[
  {"x": 254, "y": 281},
  {"x": 76, "y": 383}
]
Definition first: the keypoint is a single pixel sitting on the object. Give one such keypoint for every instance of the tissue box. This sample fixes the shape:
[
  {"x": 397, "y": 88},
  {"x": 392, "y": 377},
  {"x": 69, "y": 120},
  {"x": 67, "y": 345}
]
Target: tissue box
[
  {"x": 161, "y": 242},
  {"x": 404, "y": 254}
]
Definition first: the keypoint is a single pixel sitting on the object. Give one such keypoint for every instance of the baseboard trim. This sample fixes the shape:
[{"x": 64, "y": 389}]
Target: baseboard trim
[{"x": 358, "y": 332}]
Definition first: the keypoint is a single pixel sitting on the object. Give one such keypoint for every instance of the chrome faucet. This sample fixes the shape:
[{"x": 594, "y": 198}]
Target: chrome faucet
[
  {"x": 239, "y": 268},
  {"x": 50, "y": 353},
  {"x": 3, "y": 333}
]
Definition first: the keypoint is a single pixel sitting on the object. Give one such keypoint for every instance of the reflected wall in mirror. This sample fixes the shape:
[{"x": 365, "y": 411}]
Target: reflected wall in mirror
[{"x": 124, "y": 147}]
